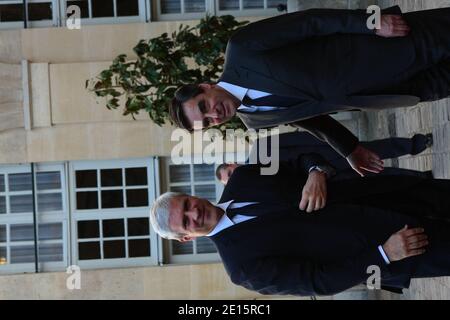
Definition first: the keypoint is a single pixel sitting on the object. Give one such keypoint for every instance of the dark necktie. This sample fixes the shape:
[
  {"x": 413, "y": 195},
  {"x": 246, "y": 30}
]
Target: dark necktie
[
  {"x": 271, "y": 100},
  {"x": 260, "y": 209}
]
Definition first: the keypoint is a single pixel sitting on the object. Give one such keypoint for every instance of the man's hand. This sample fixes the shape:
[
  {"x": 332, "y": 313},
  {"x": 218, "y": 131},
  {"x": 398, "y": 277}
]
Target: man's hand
[
  {"x": 362, "y": 160},
  {"x": 314, "y": 194},
  {"x": 405, "y": 243},
  {"x": 392, "y": 26}
]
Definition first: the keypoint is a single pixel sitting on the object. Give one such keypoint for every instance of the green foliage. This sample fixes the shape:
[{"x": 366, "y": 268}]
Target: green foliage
[{"x": 149, "y": 82}]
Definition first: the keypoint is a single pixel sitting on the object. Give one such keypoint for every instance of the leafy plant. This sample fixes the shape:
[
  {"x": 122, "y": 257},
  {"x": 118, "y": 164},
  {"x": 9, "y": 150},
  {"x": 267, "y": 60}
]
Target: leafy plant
[{"x": 149, "y": 82}]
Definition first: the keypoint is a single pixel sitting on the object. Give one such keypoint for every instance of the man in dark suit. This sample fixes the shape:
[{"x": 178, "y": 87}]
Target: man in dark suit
[
  {"x": 297, "y": 68},
  {"x": 291, "y": 144},
  {"x": 398, "y": 224}
]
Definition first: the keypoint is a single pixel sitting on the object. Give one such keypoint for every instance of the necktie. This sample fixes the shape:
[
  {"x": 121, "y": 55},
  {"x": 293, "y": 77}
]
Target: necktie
[
  {"x": 271, "y": 100},
  {"x": 260, "y": 209}
]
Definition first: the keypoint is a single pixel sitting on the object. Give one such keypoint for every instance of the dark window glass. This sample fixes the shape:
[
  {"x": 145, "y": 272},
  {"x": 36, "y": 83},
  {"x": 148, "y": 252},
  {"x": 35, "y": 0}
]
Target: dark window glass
[
  {"x": 205, "y": 245},
  {"x": 139, "y": 248},
  {"x": 21, "y": 204},
  {"x": 2, "y": 183},
  {"x": 2, "y": 205},
  {"x": 111, "y": 177},
  {"x": 253, "y": 4},
  {"x": 137, "y": 198},
  {"x": 3, "y": 256},
  {"x": 180, "y": 173},
  {"x": 275, "y": 3},
  {"x": 86, "y": 178},
  {"x": 102, "y": 8},
  {"x": 113, "y": 228},
  {"x": 40, "y": 11},
  {"x": 50, "y": 231},
  {"x": 22, "y": 254},
  {"x": 127, "y": 8},
  {"x": 206, "y": 191},
  {"x": 138, "y": 227},
  {"x": 88, "y": 250},
  {"x": 48, "y": 180},
  {"x": 114, "y": 249},
  {"x": 112, "y": 199},
  {"x": 194, "y": 6},
  {"x": 51, "y": 252},
  {"x": 88, "y": 229},
  {"x": 22, "y": 232},
  {"x": 181, "y": 189},
  {"x": 203, "y": 172},
  {"x": 11, "y": 12},
  {"x": 182, "y": 247},
  {"x": 83, "y": 5},
  {"x": 19, "y": 182},
  {"x": 49, "y": 202},
  {"x": 171, "y": 6},
  {"x": 228, "y": 4},
  {"x": 87, "y": 200},
  {"x": 3, "y": 232},
  {"x": 136, "y": 176}
]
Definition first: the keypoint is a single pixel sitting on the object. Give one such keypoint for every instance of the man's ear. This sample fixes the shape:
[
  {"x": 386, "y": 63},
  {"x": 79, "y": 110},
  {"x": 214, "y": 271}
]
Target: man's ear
[{"x": 186, "y": 239}]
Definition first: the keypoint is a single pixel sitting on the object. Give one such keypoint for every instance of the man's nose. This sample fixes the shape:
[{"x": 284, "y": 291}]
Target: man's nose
[{"x": 193, "y": 214}]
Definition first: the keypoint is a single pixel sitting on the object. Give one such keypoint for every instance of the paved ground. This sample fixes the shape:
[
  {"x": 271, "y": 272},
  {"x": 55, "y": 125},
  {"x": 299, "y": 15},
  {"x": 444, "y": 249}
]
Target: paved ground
[{"x": 405, "y": 122}]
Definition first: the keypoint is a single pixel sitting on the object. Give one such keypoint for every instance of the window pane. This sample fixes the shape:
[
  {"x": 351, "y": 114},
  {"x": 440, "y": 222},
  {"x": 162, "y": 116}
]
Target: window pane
[
  {"x": 87, "y": 200},
  {"x": 228, "y": 4},
  {"x": 205, "y": 245},
  {"x": 194, "y": 6},
  {"x": 19, "y": 181},
  {"x": 22, "y": 232},
  {"x": 40, "y": 11},
  {"x": 88, "y": 229},
  {"x": 137, "y": 198},
  {"x": 51, "y": 252},
  {"x": 20, "y": 204},
  {"x": 206, "y": 192},
  {"x": 48, "y": 180},
  {"x": 86, "y": 178},
  {"x": 3, "y": 256},
  {"x": 139, "y": 248},
  {"x": 138, "y": 227},
  {"x": 111, "y": 177},
  {"x": 2, "y": 204},
  {"x": 49, "y": 202},
  {"x": 2, "y": 183},
  {"x": 204, "y": 172},
  {"x": 182, "y": 247},
  {"x": 136, "y": 176},
  {"x": 11, "y": 12},
  {"x": 50, "y": 231},
  {"x": 102, "y": 8},
  {"x": 88, "y": 250},
  {"x": 275, "y": 3},
  {"x": 180, "y": 173},
  {"x": 113, "y": 228},
  {"x": 114, "y": 249},
  {"x": 253, "y": 4},
  {"x": 170, "y": 6},
  {"x": 3, "y": 233},
  {"x": 181, "y": 189},
  {"x": 112, "y": 199},
  {"x": 22, "y": 254},
  {"x": 82, "y": 4},
  {"x": 127, "y": 8}
]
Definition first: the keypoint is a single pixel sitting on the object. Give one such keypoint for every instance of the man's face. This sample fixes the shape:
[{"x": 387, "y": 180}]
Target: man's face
[
  {"x": 226, "y": 172},
  {"x": 212, "y": 107},
  {"x": 192, "y": 216}
]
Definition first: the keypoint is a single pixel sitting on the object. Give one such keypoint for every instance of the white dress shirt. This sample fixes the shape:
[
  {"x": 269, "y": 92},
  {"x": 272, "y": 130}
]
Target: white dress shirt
[{"x": 240, "y": 93}]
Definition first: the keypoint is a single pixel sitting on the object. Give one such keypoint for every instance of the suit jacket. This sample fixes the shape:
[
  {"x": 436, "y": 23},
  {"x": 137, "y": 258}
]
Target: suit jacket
[
  {"x": 285, "y": 251},
  {"x": 319, "y": 56}
]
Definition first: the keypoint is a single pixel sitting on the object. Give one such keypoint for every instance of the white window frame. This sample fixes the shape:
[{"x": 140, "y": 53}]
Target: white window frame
[
  {"x": 194, "y": 257},
  {"x": 212, "y": 8},
  {"x": 42, "y": 218},
  {"x": 32, "y": 24},
  {"x": 116, "y": 213},
  {"x": 142, "y": 17}
]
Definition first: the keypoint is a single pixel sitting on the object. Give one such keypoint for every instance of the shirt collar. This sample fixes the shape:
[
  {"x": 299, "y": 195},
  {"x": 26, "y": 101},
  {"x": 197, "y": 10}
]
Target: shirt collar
[
  {"x": 237, "y": 91},
  {"x": 224, "y": 222}
]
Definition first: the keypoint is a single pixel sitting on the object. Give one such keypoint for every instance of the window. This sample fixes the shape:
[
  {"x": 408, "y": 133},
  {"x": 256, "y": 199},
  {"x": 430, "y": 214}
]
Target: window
[
  {"x": 41, "y": 13},
  {"x": 17, "y": 250},
  {"x": 198, "y": 180},
  {"x": 195, "y": 9},
  {"x": 108, "y": 11},
  {"x": 110, "y": 220}
]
